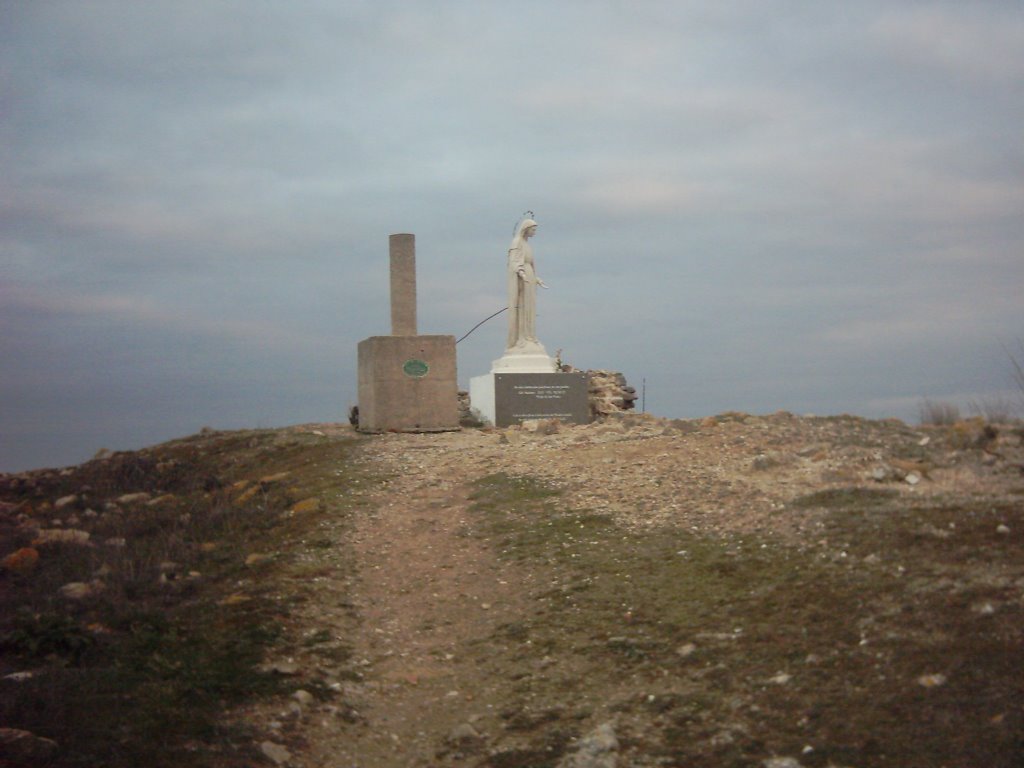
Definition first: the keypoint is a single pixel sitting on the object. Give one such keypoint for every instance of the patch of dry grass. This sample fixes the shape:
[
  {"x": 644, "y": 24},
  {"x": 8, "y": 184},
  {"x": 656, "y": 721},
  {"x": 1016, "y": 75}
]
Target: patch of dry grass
[{"x": 141, "y": 671}]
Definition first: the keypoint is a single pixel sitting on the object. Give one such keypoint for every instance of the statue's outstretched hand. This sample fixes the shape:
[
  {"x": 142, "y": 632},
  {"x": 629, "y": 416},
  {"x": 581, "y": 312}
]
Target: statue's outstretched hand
[{"x": 541, "y": 283}]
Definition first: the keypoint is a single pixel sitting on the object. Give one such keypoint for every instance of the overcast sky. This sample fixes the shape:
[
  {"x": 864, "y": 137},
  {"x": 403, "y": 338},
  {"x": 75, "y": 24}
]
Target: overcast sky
[{"x": 751, "y": 204}]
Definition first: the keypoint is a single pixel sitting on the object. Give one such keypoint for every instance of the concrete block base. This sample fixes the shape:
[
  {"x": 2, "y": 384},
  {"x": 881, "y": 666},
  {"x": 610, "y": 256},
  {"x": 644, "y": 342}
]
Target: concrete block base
[{"x": 408, "y": 384}]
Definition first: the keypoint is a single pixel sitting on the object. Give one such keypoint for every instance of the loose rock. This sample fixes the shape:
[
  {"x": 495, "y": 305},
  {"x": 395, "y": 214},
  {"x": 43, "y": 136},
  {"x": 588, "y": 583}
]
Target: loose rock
[
  {"x": 931, "y": 681},
  {"x": 61, "y": 535},
  {"x": 133, "y": 498},
  {"x": 22, "y": 561},
  {"x": 80, "y": 590},
  {"x": 278, "y": 753},
  {"x": 18, "y": 747},
  {"x": 598, "y": 749},
  {"x": 464, "y": 735},
  {"x": 306, "y": 505}
]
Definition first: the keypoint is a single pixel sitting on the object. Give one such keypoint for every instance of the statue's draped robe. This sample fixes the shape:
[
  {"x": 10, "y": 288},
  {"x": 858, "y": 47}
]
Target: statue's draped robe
[{"x": 522, "y": 295}]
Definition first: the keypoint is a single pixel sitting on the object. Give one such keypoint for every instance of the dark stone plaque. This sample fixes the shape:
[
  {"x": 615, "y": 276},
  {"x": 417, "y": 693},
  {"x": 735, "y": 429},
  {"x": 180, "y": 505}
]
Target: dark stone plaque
[{"x": 519, "y": 397}]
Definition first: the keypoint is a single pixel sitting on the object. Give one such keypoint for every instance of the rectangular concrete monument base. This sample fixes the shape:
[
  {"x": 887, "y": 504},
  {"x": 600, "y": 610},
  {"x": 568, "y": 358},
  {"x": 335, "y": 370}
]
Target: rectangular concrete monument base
[
  {"x": 408, "y": 384},
  {"x": 504, "y": 399}
]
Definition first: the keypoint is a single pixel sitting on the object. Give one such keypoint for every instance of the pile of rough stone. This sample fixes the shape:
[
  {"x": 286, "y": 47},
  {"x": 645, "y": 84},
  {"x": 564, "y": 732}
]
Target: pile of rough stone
[{"x": 609, "y": 393}]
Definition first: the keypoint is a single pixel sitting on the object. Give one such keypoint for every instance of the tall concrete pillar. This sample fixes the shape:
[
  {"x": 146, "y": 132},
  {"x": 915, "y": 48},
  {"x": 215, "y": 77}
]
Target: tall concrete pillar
[
  {"x": 403, "y": 284},
  {"x": 407, "y": 382}
]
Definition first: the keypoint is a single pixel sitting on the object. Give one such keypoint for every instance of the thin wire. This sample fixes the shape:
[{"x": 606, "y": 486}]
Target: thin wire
[{"x": 482, "y": 322}]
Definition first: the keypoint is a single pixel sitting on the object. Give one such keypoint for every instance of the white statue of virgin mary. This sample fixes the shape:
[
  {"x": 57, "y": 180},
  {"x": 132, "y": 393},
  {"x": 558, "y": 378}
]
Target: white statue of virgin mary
[{"x": 522, "y": 289}]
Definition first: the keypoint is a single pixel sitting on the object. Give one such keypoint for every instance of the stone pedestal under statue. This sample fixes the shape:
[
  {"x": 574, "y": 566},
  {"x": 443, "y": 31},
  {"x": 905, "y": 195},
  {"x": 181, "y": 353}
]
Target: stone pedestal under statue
[{"x": 505, "y": 399}]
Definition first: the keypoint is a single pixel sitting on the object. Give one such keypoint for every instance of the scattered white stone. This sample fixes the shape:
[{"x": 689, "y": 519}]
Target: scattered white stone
[
  {"x": 924, "y": 441},
  {"x": 780, "y": 679},
  {"x": 64, "y": 501},
  {"x": 595, "y": 750},
  {"x": 464, "y": 733},
  {"x": 912, "y": 478},
  {"x": 20, "y": 747},
  {"x": 132, "y": 498},
  {"x": 62, "y": 535},
  {"x": 278, "y": 753},
  {"x": 938, "y": 533},
  {"x": 985, "y": 609},
  {"x": 20, "y": 677},
  {"x": 305, "y": 698},
  {"x": 782, "y": 762},
  {"x": 686, "y": 650},
  {"x": 79, "y": 590},
  {"x": 1003, "y": 529},
  {"x": 931, "y": 681}
]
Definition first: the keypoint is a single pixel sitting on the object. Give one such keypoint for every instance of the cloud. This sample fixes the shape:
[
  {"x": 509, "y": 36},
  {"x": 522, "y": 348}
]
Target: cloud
[
  {"x": 909, "y": 179},
  {"x": 650, "y": 195},
  {"x": 928, "y": 322},
  {"x": 135, "y": 311},
  {"x": 963, "y": 40}
]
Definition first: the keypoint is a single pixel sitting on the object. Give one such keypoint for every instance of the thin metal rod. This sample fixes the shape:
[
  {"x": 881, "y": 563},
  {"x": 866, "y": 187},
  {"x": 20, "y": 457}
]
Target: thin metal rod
[{"x": 482, "y": 322}]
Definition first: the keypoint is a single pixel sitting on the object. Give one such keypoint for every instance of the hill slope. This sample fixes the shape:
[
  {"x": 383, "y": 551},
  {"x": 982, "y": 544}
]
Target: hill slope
[{"x": 721, "y": 592}]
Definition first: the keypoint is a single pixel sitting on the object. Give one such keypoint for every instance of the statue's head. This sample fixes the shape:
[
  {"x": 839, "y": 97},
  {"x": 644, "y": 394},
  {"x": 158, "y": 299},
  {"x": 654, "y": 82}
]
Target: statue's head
[{"x": 527, "y": 228}]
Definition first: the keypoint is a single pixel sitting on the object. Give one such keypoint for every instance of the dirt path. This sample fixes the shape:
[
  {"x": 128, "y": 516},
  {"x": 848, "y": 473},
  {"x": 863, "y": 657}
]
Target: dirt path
[{"x": 425, "y": 589}]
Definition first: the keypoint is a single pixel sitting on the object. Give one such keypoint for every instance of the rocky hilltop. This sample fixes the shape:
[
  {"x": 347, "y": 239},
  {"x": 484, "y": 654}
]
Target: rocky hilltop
[{"x": 737, "y": 590}]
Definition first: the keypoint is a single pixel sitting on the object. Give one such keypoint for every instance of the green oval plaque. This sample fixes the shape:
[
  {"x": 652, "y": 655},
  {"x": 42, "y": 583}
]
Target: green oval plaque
[{"x": 415, "y": 368}]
